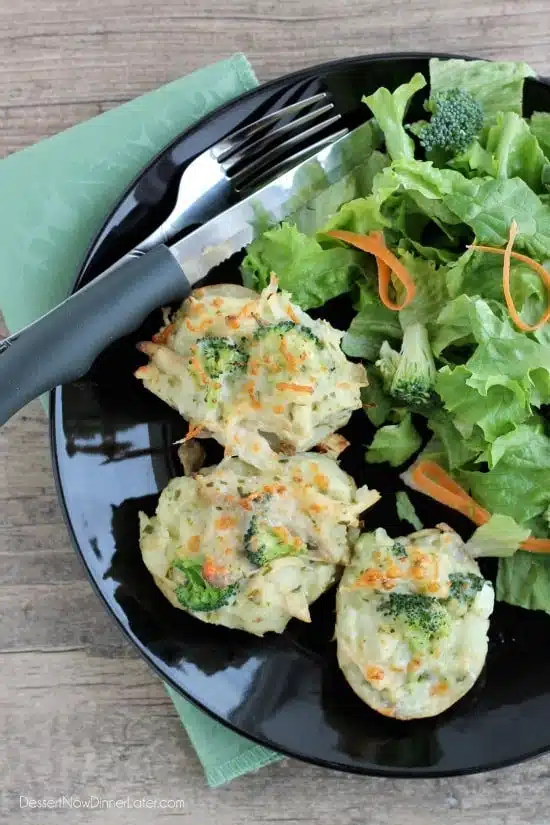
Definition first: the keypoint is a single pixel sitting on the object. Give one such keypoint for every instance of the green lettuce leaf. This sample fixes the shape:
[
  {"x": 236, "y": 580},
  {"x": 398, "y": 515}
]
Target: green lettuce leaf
[
  {"x": 311, "y": 274},
  {"x": 489, "y": 206},
  {"x": 394, "y": 443},
  {"x": 501, "y": 536},
  {"x": 479, "y": 274},
  {"x": 466, "y": 320},
  {"x": 498, "y": 85},
  {"x": 431, "y": 291},
  {"x": 361, "y": 215},
  {"x": 458, "y": 450},
  {"x": 406, "y": 511},
  {"x": 524, "y": 581},
  {"x": 373, "y": 325},
  {"x": 496, "y": 412},
  {"x": 516, "y": 151},
  {"x": 425, "y": 184},
  {"x": 518, "y": 481},
  {"x": 512, "y": 361},
  {"x": 540, "y": 127},
  {"x": 389, "y": 109},
  {"x": 485, "y": 205},
  {"x": 376, "y": 403}
]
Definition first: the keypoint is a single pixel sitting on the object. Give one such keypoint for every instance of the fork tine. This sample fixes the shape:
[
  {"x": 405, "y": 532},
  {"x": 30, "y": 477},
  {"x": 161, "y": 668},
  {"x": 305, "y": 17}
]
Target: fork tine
[
  {"x": 242, "y": 184},
  {"x": 235, "y": 141},
  {"x": 266, "y": 158},
  {"x": 250, "y": 150}
]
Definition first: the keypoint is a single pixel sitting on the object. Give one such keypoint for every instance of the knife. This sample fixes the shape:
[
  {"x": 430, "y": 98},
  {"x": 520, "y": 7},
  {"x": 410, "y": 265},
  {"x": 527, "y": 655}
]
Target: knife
[{"x": 62, "y": 345}]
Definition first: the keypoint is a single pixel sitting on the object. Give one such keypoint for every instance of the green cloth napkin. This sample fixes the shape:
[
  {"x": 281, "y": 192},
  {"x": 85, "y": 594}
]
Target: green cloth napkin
[{"x": 55, "y": 196}]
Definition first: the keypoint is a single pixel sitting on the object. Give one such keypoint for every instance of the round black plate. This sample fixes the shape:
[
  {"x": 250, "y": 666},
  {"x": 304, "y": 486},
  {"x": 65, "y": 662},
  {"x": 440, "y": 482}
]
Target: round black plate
[{"x": 113, "y": 454}]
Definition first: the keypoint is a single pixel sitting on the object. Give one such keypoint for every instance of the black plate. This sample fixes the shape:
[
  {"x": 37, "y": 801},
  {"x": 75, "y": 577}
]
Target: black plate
[{"x": 113, "y": 454}]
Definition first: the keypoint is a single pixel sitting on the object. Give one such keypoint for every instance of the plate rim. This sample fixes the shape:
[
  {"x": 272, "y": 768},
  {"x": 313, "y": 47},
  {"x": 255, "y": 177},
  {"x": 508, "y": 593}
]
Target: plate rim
[{"x": 54, "y": 413}]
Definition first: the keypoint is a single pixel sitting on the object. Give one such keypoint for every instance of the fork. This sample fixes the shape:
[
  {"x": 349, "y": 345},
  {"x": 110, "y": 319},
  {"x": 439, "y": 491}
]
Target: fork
[
  {"x": 242, "y": 161},
  {"x": 62, "y": 345}
]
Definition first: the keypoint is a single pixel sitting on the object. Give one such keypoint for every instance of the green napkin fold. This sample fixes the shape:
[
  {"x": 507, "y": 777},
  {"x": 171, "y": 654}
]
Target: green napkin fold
[{"x": 55, "y": 196}]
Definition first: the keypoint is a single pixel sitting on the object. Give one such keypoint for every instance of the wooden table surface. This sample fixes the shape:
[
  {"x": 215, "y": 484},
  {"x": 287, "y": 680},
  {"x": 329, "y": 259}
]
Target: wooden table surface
[{"x": 80, "y": 713}]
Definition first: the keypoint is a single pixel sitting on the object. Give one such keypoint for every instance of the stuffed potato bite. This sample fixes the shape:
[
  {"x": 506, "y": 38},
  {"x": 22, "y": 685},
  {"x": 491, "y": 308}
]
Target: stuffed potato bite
[
  {"x": 249, "y": 549},
  {"x": 412, "y": 616},
  {"x": 253, "y": 371}
]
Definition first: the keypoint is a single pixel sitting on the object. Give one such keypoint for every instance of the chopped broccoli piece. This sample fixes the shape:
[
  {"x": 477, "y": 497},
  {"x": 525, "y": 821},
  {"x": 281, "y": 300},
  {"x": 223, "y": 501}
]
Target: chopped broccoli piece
[
  {"x": 194, "y": 592},
  {"x": 263, "y": 543},
  {"x": 465, "y": 586},
  {"x": 424, "y": 618},
  {"x": 285, "y": 329},
  {"x": 398, "y": 550},
  {"x": 456, "y": 120},
  {"x": 410, "y": 376},
  {"x": 221, "y": 356}
]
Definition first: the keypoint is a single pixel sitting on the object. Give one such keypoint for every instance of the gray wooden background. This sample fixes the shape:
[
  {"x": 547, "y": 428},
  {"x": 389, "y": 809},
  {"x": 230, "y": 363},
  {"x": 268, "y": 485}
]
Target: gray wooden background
[{"x": 79, "y": 713}]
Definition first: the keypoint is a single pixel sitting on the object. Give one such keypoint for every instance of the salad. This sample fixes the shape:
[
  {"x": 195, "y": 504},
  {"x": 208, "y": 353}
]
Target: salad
[{"x": 440, "y": 239}]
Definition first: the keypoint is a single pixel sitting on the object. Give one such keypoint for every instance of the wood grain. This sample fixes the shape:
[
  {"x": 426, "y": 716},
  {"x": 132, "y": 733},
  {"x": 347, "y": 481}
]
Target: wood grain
[{"x": 80, "y": 714}]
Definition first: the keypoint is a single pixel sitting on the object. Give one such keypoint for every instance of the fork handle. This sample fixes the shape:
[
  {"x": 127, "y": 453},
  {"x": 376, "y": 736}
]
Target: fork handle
[{"x": 62, "y": 345}]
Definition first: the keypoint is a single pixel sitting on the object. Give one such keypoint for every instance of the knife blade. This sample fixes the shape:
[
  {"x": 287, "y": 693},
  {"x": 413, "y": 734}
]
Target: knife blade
[{"x": 236, "y": 227}]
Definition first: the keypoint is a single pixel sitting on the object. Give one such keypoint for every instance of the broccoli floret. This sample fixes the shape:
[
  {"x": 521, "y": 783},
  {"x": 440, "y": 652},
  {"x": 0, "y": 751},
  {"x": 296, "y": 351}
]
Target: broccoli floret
[
  {"x": 263, "y": 543},
  {"x": 284, "y": 329},
  {"x": 387, "y": 364},
  {"x": 194, "y": 592},
  {"x": 398, "y": 550},
  {"x": 221, "y": 356},
  {"x": 424, "y": 617},
  {"x": 465, "y": 586},
  {"x": 410, "y": 376},
  {"x": 457, "y": 118}
]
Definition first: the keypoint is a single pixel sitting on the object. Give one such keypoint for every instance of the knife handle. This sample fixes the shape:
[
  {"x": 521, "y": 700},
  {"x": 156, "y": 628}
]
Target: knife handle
[{"x": 62, "y": 345}]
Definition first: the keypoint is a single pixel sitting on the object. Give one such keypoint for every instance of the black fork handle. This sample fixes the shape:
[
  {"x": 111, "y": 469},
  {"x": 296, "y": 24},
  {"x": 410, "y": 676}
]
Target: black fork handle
[{"x": 62, "y": 345}]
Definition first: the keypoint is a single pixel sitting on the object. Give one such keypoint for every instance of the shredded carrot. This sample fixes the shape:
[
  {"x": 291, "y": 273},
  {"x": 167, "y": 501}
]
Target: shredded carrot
[
  {"x": 247, "y": 309},
  {"x": 292, "y": 315},
  {"x": 253, "y": 366},
  {"x": 536, "y": 545},
  {"x": 431, "y": 479},
  {"x": 195, "y": 307},
  {"x": 255, "y": 404},
  {"x": 288, "y": 356},
  {"x": 224, "y": 522},
  {"x": 274, "y": 488},
  {"x": 190, "y": 326},
  {"x": 210, "y": 569},
  {"x": 217, "y": 302},
  {"x": 294, "y": 387},
  {"x": 386, "y": 263},
  {"x": 163, "y": 336},
  {"x": 508, "y": 254},
  {"x": 142, "y": 372},
  {"x": 282, "y": 533},
  {"x": 322, "y": 482},
  {"x": 197, "y": 366},
  {"x": 232, "y": 321},
  {"x": 193, "y": 431},
  {"x": 374, "y": 673},
  {"x": 278, "y": 409}
]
